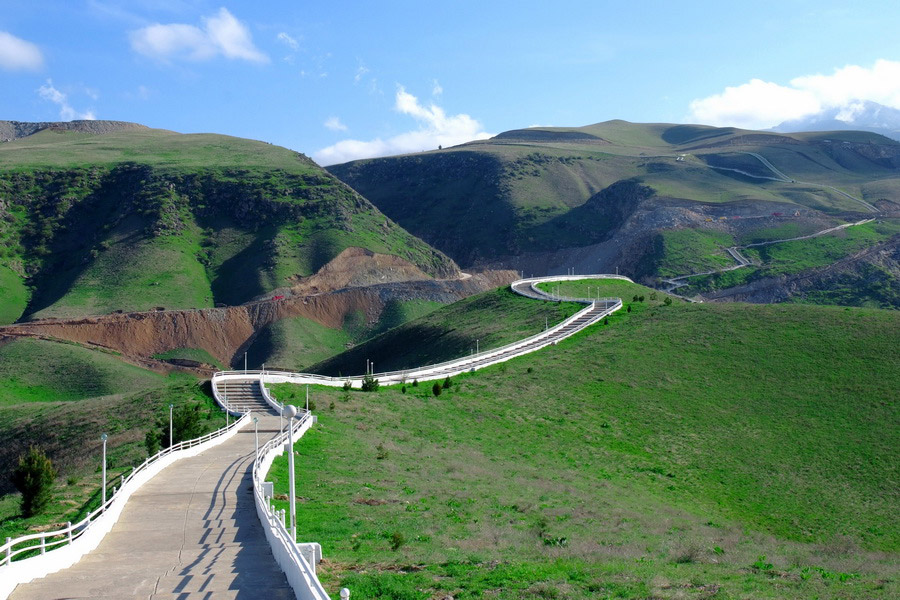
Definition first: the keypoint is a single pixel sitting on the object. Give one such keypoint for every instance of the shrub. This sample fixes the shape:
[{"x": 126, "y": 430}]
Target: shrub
[
  {"x": 151, "y": 441},
  {"x": 628, "y": 308},
  {"x": 447, "y": 383},
  {"x": 382, "y": 452},
  {"x": 436, "y": 389},
  {"x": 397, "y": 540},
  {"x": 403, "y": 389},
  {"x": 653, "y": 295},
  {"x": 640, "y": 298},
  {"x": 186, "y": 425},
  {"x": 415, "y": 383},
  {"x": 370, "y": 384},
  {"x": 33, "y": 477},
  {"x": 347, "y": 386},
  {"x": 331, "y": 405},
  {"x": 634, "y": 298},
  {"x": 667, "y": 301}
]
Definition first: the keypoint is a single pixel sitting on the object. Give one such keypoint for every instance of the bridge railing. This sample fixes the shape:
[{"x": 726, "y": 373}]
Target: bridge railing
[
  {"x": 96, "y": 523},
  {"x": 297, "y": 565}
]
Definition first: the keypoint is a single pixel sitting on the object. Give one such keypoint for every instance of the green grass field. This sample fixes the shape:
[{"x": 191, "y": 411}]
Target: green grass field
[
  {"x": 42, "y": 371},
  {"x": 683, "y": 451},
  {"x": 13, "y": 295}
]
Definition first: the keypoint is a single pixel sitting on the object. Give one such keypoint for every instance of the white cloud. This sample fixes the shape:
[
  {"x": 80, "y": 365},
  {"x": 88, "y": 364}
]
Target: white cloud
[
  {"x": 436, "y": 128},
  {"x": 18, "y": 55},
  {"x": 66, "y": 112},
  {"x": 335, "y": 124},
  {"x": 221, "y": 34},
  {"x": 436, "y": 89},
  {"x": 361, "y": 72},
  {"x": 761, "y": 104},
  {"x": 291, "y": 42}
]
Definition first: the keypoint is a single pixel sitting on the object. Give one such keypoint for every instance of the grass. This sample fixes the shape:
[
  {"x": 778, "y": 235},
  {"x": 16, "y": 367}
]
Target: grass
[
  {"x": 66, "y": 422},
  {"x": 682, "y": 251},
  {"x": 13, "y": 295},
  {"x": 646, "y": 458},
  {"x": 450, "y": 332},
  {"x": 142, "y": 219},
  {"x": 789, "y": 258},
  {"x": 34, "y": 370}
]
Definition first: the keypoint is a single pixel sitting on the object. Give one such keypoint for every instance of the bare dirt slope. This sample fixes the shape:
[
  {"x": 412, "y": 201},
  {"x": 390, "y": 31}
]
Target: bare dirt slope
[{"x": 225, "y": 332}]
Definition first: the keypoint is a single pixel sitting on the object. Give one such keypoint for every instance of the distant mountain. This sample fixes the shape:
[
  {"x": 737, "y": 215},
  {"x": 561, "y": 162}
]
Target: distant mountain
[{"x": 859, "y": 115}]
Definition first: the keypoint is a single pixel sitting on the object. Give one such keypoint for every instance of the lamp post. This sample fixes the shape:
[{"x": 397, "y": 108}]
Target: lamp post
[
  {"x": 171, "y": 406},
  {"x": 290, "y": 411},
  {"x": 256, "y": 432},
  {"x": 103, "y": 489},
  {"x": 245, "y": 362},
  {"x": 476, "y": 346},
  {"x": 307, "y": 397}
]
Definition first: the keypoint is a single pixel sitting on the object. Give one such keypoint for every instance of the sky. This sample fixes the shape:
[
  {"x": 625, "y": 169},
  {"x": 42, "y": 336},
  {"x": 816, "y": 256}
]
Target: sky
[{"x": 343, "y": 80}]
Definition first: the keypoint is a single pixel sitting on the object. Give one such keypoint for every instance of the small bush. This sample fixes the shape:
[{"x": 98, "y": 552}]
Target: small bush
[
  {"x": 370, "y": 384},
  {"x": 667, "y": 301},
  {"x": 628, "y": 308},
  {"x": 606, "y": 321},
  {"x": 634, "y": 298},
  {"x": 653, "y": 295},
  {"x": 33, "y": 477},
  {"x": 436, "y": 389},
  {"x": 415, "y": 383},
  {"x": 397, "y": 540},
  {"x": 347, "y": 386},
  {"x": 447, "y": 383},
  {"x": 529, "y": 370},
  {"x": 382, "y": 452},
  {"x": 151, "y": 441},
  {"x": 331, "y": 405},
  {"x": 640, "y": 298},
  {"x": 403, "y": 389}
]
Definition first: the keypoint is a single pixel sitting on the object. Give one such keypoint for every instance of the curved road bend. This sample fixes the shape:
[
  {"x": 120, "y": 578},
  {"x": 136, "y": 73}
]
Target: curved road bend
[{"x": 190, "y": 532}]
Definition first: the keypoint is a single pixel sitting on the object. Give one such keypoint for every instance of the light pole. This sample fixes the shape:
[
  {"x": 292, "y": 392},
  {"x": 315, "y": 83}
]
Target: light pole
[
  {"x": 256, "y": 432},
  {"x": 171, "y": 406},
  {"x": 103, "y": 489},
  {"x": 476, "y": 346},
  {"x": 290, "y": 411},
  {"x": 307, "y": 397},
  {"x": 245, "y": 362}
]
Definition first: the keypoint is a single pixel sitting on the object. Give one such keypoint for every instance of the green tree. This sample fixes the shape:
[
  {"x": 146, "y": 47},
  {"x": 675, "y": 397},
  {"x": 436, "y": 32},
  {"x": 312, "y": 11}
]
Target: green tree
[
  {"x": 370, "y": 384},
  {"x": 436, "y": 389},
  {"x": 33, "y": 477},
  {"x": 447, "y": 383}
]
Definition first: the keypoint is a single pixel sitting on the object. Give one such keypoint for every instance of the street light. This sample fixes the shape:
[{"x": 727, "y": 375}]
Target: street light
[
  {"x": 290, "y": 411},
  {"x": 256, "y": 431},
  {"x": 245, "y": 362},
  {"x": 170, "y": 424},
  {"x": 103, "y": 492}
]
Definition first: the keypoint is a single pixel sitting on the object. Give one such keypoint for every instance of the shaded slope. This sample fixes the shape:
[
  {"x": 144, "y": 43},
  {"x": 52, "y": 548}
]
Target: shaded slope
[
  {"x": 132, "y": 220},
  {"x": 532, "y": 194}
]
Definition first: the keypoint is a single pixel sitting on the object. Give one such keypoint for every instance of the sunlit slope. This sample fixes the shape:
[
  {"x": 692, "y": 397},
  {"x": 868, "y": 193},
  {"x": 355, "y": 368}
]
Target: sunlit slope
[{"x": 149, "y": 218}]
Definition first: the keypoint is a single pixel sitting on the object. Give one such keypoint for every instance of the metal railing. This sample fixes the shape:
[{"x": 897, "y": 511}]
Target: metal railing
[
  {"x": 301, "y": 575},
  {"x": 51, "y": 539}
]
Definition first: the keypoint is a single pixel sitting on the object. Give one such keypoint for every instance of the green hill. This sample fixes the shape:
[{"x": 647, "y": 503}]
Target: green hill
[
  {"x": 132, "y": 220},
  {"x": 544, "y": 199},
  {"x": 690, "y": 450}
]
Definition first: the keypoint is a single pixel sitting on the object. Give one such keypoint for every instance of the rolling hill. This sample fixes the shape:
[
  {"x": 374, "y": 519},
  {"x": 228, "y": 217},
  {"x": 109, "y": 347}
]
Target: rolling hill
[
  {"x": 543, "y": 200},
  {"x": 96, "y": 219},
  {"x": 681, "y": 451}
]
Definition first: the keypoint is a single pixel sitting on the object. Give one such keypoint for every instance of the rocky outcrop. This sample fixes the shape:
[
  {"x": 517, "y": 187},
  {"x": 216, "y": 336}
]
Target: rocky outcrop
[{"x": 13, "y": 130}]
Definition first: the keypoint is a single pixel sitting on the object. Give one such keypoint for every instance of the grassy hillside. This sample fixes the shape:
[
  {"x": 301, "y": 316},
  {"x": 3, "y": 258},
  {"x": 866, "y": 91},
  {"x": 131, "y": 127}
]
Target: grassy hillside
[
  {"x": 140, "y": 219},
  {"x": 728, "y": 451},
  {"x": 61, "y": 398},
  {"x": 450, "y": 332},
  {"x": 542, "y": 190}
]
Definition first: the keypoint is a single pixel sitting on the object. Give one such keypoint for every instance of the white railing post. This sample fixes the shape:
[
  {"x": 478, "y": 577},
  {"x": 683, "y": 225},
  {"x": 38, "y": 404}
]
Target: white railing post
[
  {"x": 43, "y": 544},
  {"x": 69, "y": 527}
]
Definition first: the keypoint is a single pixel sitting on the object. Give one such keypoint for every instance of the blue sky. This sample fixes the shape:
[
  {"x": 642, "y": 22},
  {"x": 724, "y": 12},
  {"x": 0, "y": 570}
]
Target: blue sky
[{"x": 341, "y": 80}]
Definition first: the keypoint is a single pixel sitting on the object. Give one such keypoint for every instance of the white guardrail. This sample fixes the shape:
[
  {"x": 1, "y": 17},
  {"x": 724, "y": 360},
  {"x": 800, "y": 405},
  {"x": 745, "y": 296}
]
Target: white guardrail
[{"x": 77, "y": 539}]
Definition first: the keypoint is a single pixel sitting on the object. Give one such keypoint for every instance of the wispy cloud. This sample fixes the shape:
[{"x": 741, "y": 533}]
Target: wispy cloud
[
  {"x": 435, "y": 128},
  {"x": 17, "y": 54},
  {"x": 335, "y": 124},
  {"x": 290, "y": 42},
  {"x": 361, "y": 71},
  {"x": 760, "y": 104},
  {"x": 219, "y": 35},
  {"x": 436, "y": 89},
  {"x": 66, "y": 112}
]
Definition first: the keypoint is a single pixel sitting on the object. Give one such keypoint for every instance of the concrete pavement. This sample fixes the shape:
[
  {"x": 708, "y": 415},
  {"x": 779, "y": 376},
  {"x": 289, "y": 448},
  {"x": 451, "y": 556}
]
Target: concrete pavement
[{"x": 190, "y": 532}]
